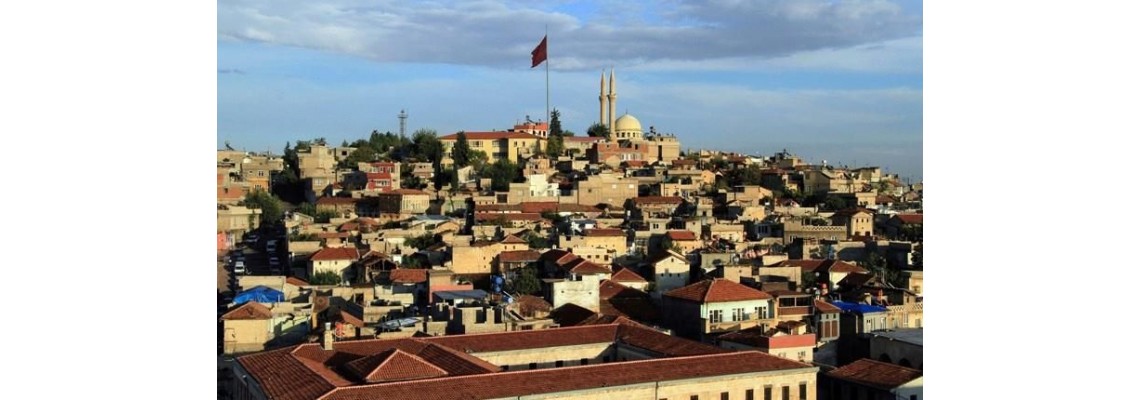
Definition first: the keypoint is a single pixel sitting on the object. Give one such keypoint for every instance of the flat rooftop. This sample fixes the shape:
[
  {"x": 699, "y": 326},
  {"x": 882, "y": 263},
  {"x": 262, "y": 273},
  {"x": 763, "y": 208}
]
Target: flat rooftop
[{"x": 908, "y": 335}]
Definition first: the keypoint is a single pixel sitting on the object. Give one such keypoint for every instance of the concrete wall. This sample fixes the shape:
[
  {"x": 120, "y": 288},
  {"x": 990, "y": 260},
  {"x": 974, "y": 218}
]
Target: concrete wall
[
  {"x": 582, "y": 292},
  {"x": 670, "y": 274},
  {"x": 243, "y": 336},
  {"x": 707, "y": 388},
  {"x": 547, "y": 357}
]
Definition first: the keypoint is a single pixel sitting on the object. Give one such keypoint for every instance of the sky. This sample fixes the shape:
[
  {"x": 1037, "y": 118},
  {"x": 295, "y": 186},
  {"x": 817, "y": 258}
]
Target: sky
[{"x": 839, "y": 81}]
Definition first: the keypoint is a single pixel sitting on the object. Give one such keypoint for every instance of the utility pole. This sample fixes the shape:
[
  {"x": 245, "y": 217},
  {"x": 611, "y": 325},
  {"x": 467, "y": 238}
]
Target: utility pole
[{"x": 403, "y": 116}]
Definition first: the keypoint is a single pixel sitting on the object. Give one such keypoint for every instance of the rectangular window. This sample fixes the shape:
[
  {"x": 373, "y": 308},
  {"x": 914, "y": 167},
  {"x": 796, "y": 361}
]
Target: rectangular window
[
  {"x": 803, "y": 390},
  {"x": 584, "y": 361},
  {"x": 559, "y": 362},
  {"x": 768, "y": 392},
  {"x": 786, "y": 393},
  {"x": 716, "y": 316},
  {"x": 533, "y": 365},
  {"x": 506, "y": 368},
  {"x": 749, "y": 395},
  {"x": 723, "y": 395},
  {"x": 695, "y": 397}
]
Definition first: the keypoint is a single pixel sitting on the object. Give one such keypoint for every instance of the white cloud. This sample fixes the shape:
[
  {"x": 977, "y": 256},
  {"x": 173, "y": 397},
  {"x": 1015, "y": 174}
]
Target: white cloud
[{"x": 499, "y": 34}]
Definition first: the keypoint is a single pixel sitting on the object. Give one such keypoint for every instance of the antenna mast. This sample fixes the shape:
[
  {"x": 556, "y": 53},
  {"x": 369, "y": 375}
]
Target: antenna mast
[{"x": 403, "y": 122}]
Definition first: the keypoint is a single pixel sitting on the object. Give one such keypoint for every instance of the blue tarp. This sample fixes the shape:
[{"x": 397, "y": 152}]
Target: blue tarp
[
  {"x": 260, "y": 294},
  {"x": 858, "y": 307}
]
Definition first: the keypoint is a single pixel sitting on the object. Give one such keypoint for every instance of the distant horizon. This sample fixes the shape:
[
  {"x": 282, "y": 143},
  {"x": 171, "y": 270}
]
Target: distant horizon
[{"x": 841, "y": 82}]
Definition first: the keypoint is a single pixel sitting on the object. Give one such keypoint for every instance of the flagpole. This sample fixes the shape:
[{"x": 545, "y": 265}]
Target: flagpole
[{"x": 546, "y": 35}]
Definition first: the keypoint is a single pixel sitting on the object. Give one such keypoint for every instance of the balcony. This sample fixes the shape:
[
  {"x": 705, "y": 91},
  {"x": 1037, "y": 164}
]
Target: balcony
[{"x": 731, "y": 326}]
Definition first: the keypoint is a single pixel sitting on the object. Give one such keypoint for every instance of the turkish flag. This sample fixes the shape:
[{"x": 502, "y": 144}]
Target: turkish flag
[{"x": 539, "y": 54}]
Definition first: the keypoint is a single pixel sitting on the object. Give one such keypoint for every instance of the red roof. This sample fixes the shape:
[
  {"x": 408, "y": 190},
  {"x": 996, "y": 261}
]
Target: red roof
[
  {"x": 512, "y": 239},
  {"x": 566, "y": 379},
  {"x": 626, "y": 275},
  {"x": 585, "y": 267},
  {"x": 251, "y": 310},
  {"x": 586, "y": 139},
  {"x": 604, "y": 232},
  {"x": 909, "y": 218},
  {"x": 489, "y": 136},
  {"x": 393, "y": 365},
  {"x": 408, "y": 275},
  {"x": 519, "y": 256},
  {"x": 518, "y": 340},
  {"x": 825, "y": 307},
  {"x": 756, "y": 337},
  {"x": 717, "y": 290},
  {"x": 681, "y": 235},
  {"x": 657, "y": 200},
  {"x": 295, "y": 281},
  {"x": 875, "y": 374},
  {"x": 336, "y": 253}
]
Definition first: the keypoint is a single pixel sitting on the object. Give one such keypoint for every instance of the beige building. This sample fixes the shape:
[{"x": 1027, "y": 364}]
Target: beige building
[
  {"x": 333, "y": 259},
  {"x": 663, "y": 148},
  {"x": 235, "y": 221},
  {"x": 607, "y": 188},
  {"x": 711, "y": 307},
  {"x": 479, "y": 257},
  {"x": 246, "y": 328},
  {"x": 259, "y": 170},
  {"x": 522, "y": 364},
  {"x": 670, "y": 271},
  {"x": 403, "y": 201},
  {"x": 612, "y": 240},
  {"x": 511, "y": 146},
  {"x": 859, "y": 222}
]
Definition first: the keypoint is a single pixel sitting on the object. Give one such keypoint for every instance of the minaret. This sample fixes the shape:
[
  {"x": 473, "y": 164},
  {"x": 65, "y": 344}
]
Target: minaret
[
  {"x": 613, "y": 104},
  {"x": 602, "y": 100}
]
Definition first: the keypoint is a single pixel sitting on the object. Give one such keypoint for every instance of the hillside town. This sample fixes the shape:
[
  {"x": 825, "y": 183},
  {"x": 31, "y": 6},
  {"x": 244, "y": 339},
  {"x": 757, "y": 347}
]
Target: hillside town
[{"x": 614, "y": 263}]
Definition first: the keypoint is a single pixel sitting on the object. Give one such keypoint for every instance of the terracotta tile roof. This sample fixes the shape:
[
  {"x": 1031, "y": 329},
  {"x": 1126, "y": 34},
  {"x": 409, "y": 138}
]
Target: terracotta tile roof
[
  {"x": 292, "y": 280},
  {"x": 248, "y": 311},
  {"x": 681, "y": 235},
  {"x": 805, "y": 265},
  {"x": 875, "y": 374},
  {"x": 627, "y": 275},
  {"x": 643, "y": 200},
  {"x": 347, "y": 317},
  {"x": 512, "y": 239},
  {"x": 528, "y": 305},
  {"x": 884, "y": 199},
  {"x": 336, "y": 253},
  {"x": 558, "y": 256},
  {"x": 717, "y": 290},
  {"x": 393, "y": 365},
  {"x": 554, "y": 380},
  {"x": 757, "y": 337},
  {"x": 408, "y": 275},
  {"x": 518, "y": 340},
  {"x": 349, "y": 226},
  {"x": 335, "y": 201},
  {"x": 637, "y": 308},
  {"x": 489, "y": 135},
  {"x": 842, "y": 266},
  {"x": 538, "y": 206},
  {"x": 825, "y": 307},
  {"x": 481, "y": 208},
  {"x": 519, "y": 256},
  {"x": 285, "y": 377},
  {"x": 909, "y": 218},
  {"x": 604, "y": 232},
  {"x": 456, "y": 362},
  {"x": 665, "y": 345},
  {"x": 586, "y": 267},
  {"x": 609, "y": 289},
  {"x": 570, "y": 314}
]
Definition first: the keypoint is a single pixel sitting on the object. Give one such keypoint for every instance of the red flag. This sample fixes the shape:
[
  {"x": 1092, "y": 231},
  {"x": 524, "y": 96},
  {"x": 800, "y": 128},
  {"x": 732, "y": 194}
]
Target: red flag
[{"x": 539, "y": 54}]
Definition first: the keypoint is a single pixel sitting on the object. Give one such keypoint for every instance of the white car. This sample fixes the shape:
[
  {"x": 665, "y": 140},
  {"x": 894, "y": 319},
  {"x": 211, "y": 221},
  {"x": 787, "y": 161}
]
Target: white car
[{"x": 239, "y": 267}]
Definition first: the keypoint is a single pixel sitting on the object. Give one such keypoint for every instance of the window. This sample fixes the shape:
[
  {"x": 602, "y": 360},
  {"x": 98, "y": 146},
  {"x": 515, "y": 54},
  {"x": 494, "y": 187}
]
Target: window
[
  {"x": 716, "y": 316},
  {"x": 533, "y": 365},
  {"x": 748, "y": 395},
  {"x": 606, "y": 359},
  {"x": 558, "y": 363},
  {"x": 723, "y": 395},
  {"x": 737, "y": 314},
  {"x": 914, "y": 397},
  {"x": 695, "y": 397},
  {"x": 802, "y": 355},
  {"x": 506, "y": 368},
  {"x": 584, "y": 361},
  {"x": 768, "y": 392},
  {"x": 757, "y": 312},
  {"x": 803, "y": 390},
  {"x": 786, "y": 393}
]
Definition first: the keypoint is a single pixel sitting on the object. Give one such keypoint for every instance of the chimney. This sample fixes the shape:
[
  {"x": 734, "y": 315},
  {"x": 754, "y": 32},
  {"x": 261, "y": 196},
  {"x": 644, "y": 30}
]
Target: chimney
[{"x": 327, "y": 339}]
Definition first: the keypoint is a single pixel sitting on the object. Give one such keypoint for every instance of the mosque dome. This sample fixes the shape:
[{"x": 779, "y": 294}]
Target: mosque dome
[{"x": 627, "y": 123}]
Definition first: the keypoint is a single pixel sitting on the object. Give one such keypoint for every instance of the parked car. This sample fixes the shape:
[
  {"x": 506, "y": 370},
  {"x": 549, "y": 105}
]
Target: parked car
[
  {"x": 239, "y": 267},
  {"x": 271, "y": 246}
]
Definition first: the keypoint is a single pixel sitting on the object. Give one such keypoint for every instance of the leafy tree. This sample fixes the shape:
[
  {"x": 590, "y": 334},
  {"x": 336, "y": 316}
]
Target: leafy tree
[
  {"x": 425, "y": 145},
  {"x": 325, "y": 278},
  {"x": 502, "y": 173},
  {"x": 361, "y": 154},
  {"x": 271, "y": 208},
  {"x": 916, "y": 257},
  {"x": 422, "y": 241},
  {"x": 568, "y": 133},
  {"x": 836, "y": 203},
  {"x": 461, "y": 152},
  {"x": 598, "y": 130},
  {"x": 554, "y": 145},
  {"x": 307, "y": 209},
  {"x": 750, "y": 175},
  {"x": 324, "y": 216},
  {"x": 807, "y": 280},
  {"x": 536, "y": 241},
  {"x": 319, "y": 141},
  {"x": 478, "y": 159},
  {"x": 878, "y": 266},
  {"x": 412, "y": 262},
  {"x": 344, "y": 143},
  {"x": 526, "y": 282}
]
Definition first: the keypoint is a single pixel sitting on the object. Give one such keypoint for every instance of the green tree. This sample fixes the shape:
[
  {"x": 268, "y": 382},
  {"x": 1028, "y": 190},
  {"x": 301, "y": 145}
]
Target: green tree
[
  {"x": 878, "y": 266},
  {"x": 598, "y": 130},
  {"x": 412, "y": 262},
  {"x": 422, "y": 241},
  {"x": 325, "y": 278},
  {"x": 361, "y": 154},
  {"x": 502, "y": 172},
  {"x": 324, "y": 216},
  {"x": 272, "y": 211},
  {"x": 426, "y": 146},
  {"x": 807, "y": 280},
  {"x": 478, "y": 159},
  {"x": 536, "y": 241},
  {"x": 319, "y": 141},
  {"x": 461, "y": 152},
  {"x": 554, "y": 145},
  {"x": 526, "y": 282}
]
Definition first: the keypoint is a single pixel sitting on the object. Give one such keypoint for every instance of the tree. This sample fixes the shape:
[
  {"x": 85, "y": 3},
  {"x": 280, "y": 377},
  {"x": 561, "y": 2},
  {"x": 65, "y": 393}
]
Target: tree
[
  {"x": 478, "y": 159},
  {"x": 319, "y": 141},
  {"x": 272, "y": 211},
  {"x": 836, "y": 203},
  {"x": 461, "y": 152},
  {"x": 325, "y": 278},
  {"x": 554, "y": 140},
  {"x": 426, "y": 146},
  {"x": 422, "y": 241},
  {"x": 344, "y": 143},
  {"x": 807, "y": 280},
  {"x": 879, "y": 267},
  {"x": 502, "y": 173},
  {"x": 412, "y": 262},
  {"x": 324, "y": 216},
  {"x": 536, "y": 241},
  {"x": 361, "y": 154},
  {"x": 598, "y": 130},
  {"x": 526, "y": 282}
]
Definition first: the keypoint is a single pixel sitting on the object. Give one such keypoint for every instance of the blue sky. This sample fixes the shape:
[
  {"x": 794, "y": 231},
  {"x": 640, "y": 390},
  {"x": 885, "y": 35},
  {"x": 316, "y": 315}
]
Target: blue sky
[{"x": 829, "y": 80}]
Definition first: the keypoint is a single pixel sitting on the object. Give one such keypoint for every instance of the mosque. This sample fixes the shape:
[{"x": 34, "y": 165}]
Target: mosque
[{"x": 627, "y": 140}]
